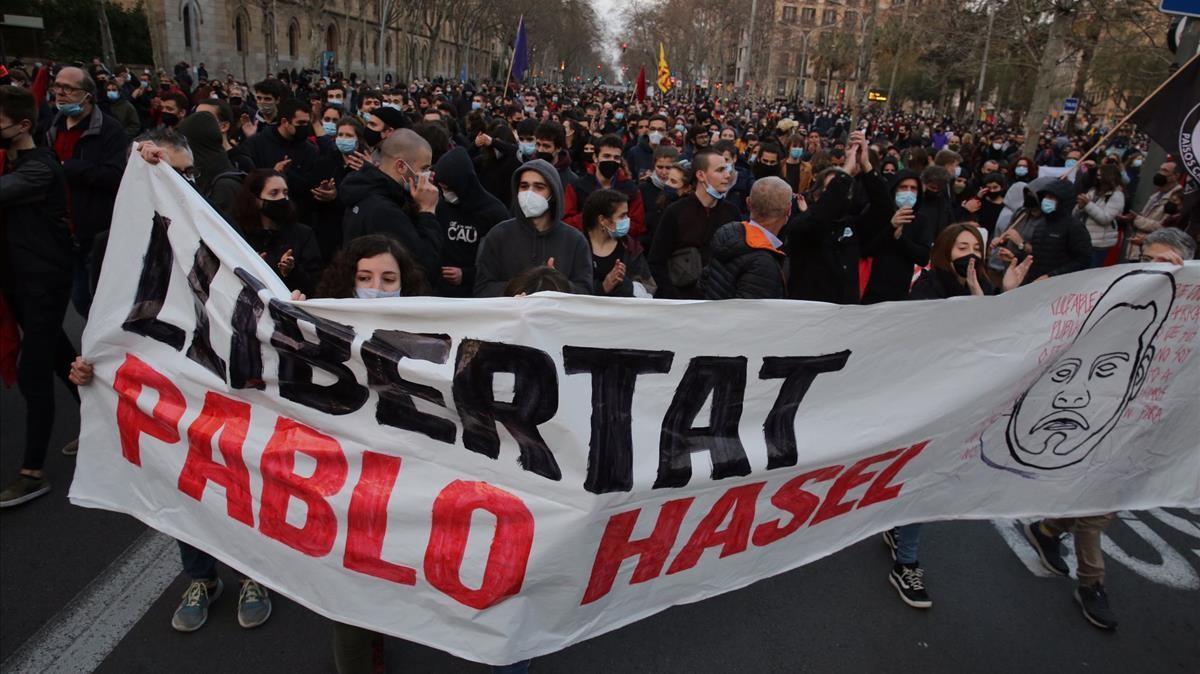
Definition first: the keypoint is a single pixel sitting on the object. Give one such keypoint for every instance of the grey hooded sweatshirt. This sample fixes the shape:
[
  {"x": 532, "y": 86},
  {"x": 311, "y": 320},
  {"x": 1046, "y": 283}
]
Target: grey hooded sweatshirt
[{"x": 516, "y": 245}]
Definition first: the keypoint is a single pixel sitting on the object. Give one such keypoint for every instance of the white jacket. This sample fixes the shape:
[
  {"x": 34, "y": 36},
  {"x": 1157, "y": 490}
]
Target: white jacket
[{"x": 1101, "y": 217}]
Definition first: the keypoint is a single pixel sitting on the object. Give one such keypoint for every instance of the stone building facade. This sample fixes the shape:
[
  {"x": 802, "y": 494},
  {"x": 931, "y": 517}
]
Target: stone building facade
[{"x": 250, "y": 38}]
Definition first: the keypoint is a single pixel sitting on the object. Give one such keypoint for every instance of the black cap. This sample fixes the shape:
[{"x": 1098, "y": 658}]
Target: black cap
[{"x": 391, "y": 117}]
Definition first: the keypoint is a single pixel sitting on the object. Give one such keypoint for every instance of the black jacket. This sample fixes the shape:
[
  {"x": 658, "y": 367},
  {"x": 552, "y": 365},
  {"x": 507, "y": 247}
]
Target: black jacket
[
  {"x": 516, "y": 245},
  {"x": 744, "y": 265},
  {"x": 685, "y": 224},
  {"x": 93, "y": 172},
  {"x": 892, "y": 259},
  {"x": 937, "y": 284},
  {"x": 376, "y": 204},
  {"x": 1061, "y": 244},
  {"x": 466, "y": 222},
  {"x": 267, "y": 148},
  {"x": 34, "y": 233},
  {"x": 823, "y": 242},
  {"x": 299, "y": 239},
  {"x": 495, "y": 166}
]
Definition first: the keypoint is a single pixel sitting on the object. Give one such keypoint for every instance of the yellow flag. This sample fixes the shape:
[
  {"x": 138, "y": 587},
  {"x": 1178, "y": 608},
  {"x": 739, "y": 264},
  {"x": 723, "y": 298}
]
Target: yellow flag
[{"x": 664, "y": 72}]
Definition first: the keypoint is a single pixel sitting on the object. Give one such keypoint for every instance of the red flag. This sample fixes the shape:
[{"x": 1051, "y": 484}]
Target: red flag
[{"x": 641, "y": 85}]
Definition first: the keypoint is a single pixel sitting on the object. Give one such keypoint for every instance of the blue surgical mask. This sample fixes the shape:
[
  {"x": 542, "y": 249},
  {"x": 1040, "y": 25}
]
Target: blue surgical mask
[
  {"x": 528, "y": 149},
  {"x": 346, "y": 145},
  {"x": 713, "y": 193},
  {"x": 1137, "y": 163},
  {"x": 681, "y": 128},
  {"x": 796, "y": 153},
  {"x": 957, "y": 171},
  {"x": 1049, "y": 205},
  {"x": 618, "y": 116},
  {"x": 622, "y": 228},
  {"x": 1070, "y": 162},
  {"x": 114, "y": 95},
  {"x": 366, "y": 117},
  {"x": 70, "y": 109},
  {"x": 906, "y": 199},
  {"x": 475, "y": 105},
  {"x": 330, "y": 127},
  {"x": 1021, "y": 171},
  {"x": 374, "y": 293}
]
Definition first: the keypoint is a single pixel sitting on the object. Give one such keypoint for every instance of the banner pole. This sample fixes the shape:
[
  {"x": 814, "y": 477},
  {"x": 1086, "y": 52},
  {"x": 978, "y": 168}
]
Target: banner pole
[
  {"x": 511, "y": 61},
  {"x": 1133, "y": 112}
]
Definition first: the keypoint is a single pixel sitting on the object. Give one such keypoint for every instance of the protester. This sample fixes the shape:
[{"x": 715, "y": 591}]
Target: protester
[
  {"x": 535, "y": 236},
  {"x": 607, "y": 174},
  {"x": 266, "y": 217},
  {"x": 1100, "y": 207},
  {"x": 618, "y": 267},
  {"x": 35, "y": 280},
  {"x": 466, "y": 212},
  {"x": 1061, "y": 243},
  {"x": 747, "y": 257},
  {"x": 1153, "y": 213}
]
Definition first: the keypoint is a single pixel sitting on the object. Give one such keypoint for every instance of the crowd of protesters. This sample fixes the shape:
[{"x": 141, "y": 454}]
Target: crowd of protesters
[{"x": 457, "y": 189}]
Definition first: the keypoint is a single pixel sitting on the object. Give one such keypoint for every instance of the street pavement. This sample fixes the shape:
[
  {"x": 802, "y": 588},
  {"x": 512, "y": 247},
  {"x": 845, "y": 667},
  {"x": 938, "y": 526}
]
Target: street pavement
[{"x": 89, "y": 590}]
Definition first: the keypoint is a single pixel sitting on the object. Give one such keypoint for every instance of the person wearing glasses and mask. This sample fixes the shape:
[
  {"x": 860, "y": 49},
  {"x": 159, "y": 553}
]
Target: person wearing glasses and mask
[{"x": 91, "y": 146}]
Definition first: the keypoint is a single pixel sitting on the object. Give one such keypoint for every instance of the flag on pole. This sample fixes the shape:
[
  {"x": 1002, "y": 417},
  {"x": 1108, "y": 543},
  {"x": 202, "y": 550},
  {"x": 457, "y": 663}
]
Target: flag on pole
[
  {"x": 664, "y": 72},
  {"x": 640, "y": 91},
  {"x": 520, "y": 62},
  {"x": 1171, "y": 116}
]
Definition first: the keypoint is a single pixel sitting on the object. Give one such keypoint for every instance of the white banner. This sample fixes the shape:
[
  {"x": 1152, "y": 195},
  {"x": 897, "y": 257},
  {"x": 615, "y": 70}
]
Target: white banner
[{"x": 502, "y": 478}]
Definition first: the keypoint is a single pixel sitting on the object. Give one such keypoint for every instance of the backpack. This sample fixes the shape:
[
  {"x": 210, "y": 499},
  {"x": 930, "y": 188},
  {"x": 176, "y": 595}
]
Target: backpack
[
  {"x": 684, "y": 267},
  {"x": 236, "y": 175}
]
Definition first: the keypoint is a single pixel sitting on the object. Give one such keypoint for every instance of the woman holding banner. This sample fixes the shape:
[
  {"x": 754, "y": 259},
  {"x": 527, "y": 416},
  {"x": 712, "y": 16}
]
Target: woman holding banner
[{"x": 956, "y": 270}]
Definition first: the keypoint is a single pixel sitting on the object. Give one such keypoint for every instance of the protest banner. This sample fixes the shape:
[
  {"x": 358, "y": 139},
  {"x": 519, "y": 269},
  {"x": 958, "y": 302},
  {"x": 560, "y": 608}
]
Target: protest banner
[{"x": 502, "y": 478}]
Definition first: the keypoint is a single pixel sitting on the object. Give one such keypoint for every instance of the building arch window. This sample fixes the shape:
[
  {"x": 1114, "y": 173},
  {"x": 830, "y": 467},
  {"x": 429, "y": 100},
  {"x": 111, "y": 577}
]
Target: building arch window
[
  {"x": 331, "y": 38},
  {"x": 241, "y": 27},
  {"x": 190, "y": 16},
  {"x": 293, "y": 38}
]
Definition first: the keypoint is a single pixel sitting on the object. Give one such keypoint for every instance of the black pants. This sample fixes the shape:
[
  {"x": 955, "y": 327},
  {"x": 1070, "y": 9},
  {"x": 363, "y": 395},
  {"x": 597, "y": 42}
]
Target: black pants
[{"x": 45, "y": 352}]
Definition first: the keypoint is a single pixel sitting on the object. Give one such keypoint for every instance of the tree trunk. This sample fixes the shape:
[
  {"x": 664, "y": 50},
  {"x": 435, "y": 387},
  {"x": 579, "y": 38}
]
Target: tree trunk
[
  {"x": 106, "y": 41},
  {"x": 1047, "y": 80}
]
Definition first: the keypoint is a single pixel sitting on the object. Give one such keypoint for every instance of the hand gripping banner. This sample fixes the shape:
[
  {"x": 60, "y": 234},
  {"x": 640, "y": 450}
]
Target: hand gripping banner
[{"x": 502, "y": 478}]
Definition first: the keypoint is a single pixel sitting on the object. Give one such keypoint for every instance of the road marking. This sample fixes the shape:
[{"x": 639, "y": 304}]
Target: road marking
[
  {"x": 80, "y": 636},
  {"x": 1172, "y": 568}
]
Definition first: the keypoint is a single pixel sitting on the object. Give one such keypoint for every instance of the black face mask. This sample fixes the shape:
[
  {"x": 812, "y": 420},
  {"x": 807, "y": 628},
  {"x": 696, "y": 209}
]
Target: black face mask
[
  {"x": 302, "y": 133},
  {"x": 1170, "y": 208},
  {"x": 169, "y": 120},
  {"x": 1160, "y": 180},
  {"x": 279, "y": 210},
  {"x": 545, "y": 156},
  {"x": 960, "y": 265},
  {"x": 765, "y": 171},
  {"x": 236, "y": 102},
  {"x": 372, "y": 137},
  {"x": 608, "y": 169}
]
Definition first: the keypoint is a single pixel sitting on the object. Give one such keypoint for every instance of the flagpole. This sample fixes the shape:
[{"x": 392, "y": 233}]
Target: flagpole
[
  {"x": 1121, "y": 123},
  {"x": 511, "y": 61}
]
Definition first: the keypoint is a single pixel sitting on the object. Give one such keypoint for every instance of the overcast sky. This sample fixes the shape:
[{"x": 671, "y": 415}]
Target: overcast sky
[{"x": 609, "y": 12}]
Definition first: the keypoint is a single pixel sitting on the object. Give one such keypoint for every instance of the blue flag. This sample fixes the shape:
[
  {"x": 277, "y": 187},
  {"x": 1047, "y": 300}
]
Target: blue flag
[{"x": 520, "y": 62}]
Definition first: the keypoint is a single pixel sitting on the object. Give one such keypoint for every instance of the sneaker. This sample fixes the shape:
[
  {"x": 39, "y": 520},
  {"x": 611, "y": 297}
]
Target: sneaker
[
  {"x": 71, "y": 448},
  {"x": 193, "y": 610},
  {"x": 254, "y": 606},
  {"x": 889, "y": 539},
  {"x": 1094, "y": 602},
  {"x": 909, "y": 581},
  {"x": 23, "y": 489},
  {"x": 1048, "y": 548}
]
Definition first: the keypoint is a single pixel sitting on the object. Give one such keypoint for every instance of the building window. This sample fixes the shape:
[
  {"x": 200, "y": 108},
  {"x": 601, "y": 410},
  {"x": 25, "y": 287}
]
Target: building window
[
  {"x": 331, "y": 38},
  {"x": 187, "y": 27},
  {"x": 239, "y": 34},
  {"x": 293, "y": 38},
  {"x": 789, "y": 14},
  {"x": 851, "y": 19},
  {"x": 808, "y": 16},
  {"x": 830, "y": 16}
]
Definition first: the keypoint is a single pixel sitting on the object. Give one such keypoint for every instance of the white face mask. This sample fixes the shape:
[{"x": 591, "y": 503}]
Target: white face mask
[
  {"x": 533, "y": 205},
  {"x": 450, "y": 196},
  {"x": 375, "y": 293}
]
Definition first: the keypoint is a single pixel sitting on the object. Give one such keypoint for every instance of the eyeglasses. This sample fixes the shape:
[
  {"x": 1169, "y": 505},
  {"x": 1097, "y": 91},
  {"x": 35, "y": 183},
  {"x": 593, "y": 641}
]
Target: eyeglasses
[{"x": 64, "y": 89}]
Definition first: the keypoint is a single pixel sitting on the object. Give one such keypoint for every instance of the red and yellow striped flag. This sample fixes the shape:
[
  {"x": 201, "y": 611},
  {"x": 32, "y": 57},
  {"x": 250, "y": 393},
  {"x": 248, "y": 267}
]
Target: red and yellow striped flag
[{"x": 664, "y": 73}]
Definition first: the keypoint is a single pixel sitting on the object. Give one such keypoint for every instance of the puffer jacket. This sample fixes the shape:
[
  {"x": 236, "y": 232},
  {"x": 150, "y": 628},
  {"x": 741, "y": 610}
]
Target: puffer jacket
[
  {"x": 745, "y": 265},
  {"x": 1101, "y": 216},
  {"x": 1061, "y": 244}
]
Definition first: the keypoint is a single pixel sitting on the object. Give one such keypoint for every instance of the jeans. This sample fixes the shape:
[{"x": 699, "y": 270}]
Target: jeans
[
  {"x": 81, "y": 286},
  {"x": 45, "y": 353},
  {"x": 1086, "y": 531},
  {"x": 908, "y": 538},
  {"x": 197, "y": 564},
  {"x": 1099, "y": 255}
]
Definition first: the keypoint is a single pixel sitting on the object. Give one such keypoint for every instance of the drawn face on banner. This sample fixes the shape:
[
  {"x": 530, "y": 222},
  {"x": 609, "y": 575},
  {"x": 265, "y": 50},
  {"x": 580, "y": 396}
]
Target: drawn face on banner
[{"x": 1080, "y": 397}]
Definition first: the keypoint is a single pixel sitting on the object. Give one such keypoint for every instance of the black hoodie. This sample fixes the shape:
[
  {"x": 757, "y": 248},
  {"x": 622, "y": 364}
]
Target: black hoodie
[
  {"x": 892, "y": 258},
  {"x": 1061, "y": 244},
  {"x": 465, "y": 222},
  {"x": 376, "y": 204},
  {"x": 516, "y": 245}
]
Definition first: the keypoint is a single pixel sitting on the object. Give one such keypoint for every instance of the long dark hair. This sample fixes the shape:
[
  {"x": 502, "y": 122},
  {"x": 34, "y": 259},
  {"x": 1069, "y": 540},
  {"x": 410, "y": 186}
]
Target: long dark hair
[
  {"x": 538, "y": 279},
  {"x": 338, "y": 279},
  {"x": 943, "y": 245},
  {"x": 247, "y": 212}
]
